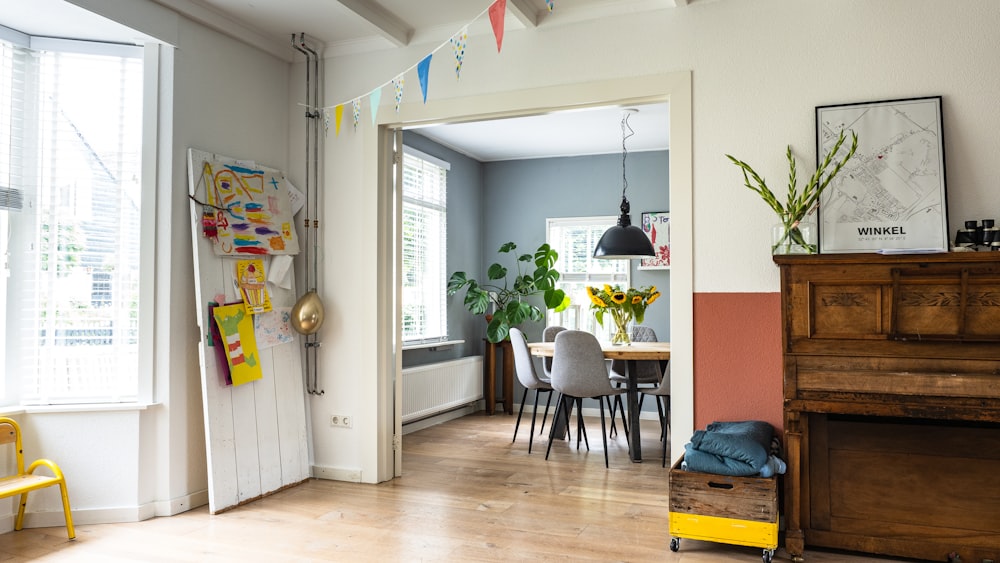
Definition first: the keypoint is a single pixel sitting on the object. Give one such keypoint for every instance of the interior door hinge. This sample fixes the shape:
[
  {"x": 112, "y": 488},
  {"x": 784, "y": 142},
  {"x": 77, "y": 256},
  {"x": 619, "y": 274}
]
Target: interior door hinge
[
  {"x": 396, "y": 442},
  {"x": 397, "y": 158}
]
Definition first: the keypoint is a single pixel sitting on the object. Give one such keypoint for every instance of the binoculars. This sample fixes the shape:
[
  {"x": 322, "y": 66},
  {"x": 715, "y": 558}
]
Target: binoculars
[{"x": 979, "y": 237}]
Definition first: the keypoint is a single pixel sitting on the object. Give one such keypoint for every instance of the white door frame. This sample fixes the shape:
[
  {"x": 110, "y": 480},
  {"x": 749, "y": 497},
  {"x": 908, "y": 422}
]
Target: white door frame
[{"x": 674, "y": 88}]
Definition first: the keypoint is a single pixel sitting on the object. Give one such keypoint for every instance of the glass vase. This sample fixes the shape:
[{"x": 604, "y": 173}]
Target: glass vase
[
  {"x": 794, "y": 238},
  {"x": 620, "y": 336}
]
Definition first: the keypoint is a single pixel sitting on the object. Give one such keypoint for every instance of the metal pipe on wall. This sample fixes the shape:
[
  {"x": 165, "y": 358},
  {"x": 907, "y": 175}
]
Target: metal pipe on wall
[{"x": 307, "y": 314}]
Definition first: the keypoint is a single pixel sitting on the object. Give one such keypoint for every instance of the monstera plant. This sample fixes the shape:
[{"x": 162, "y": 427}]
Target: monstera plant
[{"x": 503, "y": 297}]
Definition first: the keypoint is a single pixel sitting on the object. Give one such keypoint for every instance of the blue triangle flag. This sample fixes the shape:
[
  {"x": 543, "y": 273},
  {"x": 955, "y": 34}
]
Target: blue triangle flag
[{"x": 423, "y": 68}]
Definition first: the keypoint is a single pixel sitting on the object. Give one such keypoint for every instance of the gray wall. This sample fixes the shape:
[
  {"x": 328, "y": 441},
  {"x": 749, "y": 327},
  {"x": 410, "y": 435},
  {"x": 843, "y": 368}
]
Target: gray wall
[
  {"x": 464, "y": 248},
  {"x": 522, "y": 194}
]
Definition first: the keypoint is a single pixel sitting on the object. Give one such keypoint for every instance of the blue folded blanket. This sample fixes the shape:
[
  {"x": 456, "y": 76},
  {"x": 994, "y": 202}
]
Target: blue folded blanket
[{"x": 738, "y": 449}]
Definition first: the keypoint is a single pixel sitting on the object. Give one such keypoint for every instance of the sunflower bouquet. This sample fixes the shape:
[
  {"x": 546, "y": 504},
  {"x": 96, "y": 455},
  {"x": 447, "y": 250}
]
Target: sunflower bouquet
[{"x": 623, "y": 305}]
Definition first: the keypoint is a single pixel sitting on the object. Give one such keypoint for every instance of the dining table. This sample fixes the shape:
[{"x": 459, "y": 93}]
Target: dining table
[{"x": 631, "y": 353}]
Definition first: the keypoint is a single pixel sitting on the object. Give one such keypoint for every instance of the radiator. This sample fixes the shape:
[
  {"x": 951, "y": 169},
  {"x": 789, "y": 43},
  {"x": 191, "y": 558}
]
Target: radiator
[{"x": 434, "y": 388}]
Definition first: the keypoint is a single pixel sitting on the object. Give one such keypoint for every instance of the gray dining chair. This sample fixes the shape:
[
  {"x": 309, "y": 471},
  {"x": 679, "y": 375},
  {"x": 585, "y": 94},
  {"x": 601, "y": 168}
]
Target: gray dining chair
[
  {"x": 524, "y": 366},
  {"x": 549, "y": 335},
  {"x": 580, "y": 372},
  {"x": 649, "y": 372},
  {"x": 662, "y": 395}
]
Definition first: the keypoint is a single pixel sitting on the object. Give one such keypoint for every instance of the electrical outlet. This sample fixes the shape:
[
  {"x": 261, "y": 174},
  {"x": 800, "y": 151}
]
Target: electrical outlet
[{"x": 340, "y": 421}]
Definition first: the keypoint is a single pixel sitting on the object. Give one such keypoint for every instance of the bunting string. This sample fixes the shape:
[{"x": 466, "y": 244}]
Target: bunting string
[{"x": 458, "y": 42}]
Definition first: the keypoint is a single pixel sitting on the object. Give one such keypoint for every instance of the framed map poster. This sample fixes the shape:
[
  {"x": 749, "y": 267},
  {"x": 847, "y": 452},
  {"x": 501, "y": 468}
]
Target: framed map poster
[
  {"x": 656, "y": 225},
  {"x": 890, "y": 196}
]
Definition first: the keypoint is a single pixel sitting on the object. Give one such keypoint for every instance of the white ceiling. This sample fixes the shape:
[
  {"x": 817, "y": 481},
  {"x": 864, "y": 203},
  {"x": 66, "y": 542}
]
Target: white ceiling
[{"x": 340, "y": 27}]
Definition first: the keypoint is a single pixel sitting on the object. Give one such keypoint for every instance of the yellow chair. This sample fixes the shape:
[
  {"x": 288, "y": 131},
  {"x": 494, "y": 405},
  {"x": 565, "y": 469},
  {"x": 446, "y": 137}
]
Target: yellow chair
[{"x": 24, "y": 482}]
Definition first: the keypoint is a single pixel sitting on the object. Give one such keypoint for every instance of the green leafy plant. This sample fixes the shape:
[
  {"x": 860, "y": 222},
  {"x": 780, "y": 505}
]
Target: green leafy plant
[
  {"x": 798, "y": 204},
  {"x": 509, "y": 296}
]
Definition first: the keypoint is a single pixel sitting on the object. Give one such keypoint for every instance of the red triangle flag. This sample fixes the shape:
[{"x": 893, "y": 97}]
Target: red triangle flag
[{"x": 497, "y": 12}]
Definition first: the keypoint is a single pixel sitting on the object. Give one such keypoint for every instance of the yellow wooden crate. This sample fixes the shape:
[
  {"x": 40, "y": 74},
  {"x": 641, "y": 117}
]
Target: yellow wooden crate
[{"x": 724, "y": 509}]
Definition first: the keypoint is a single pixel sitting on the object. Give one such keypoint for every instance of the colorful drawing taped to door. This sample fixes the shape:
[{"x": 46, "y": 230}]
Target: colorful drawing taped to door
[
  {"x": 250, "y": 276},
  {"x": 236, "y": 327},
  {"x": 253, "y": 210}
]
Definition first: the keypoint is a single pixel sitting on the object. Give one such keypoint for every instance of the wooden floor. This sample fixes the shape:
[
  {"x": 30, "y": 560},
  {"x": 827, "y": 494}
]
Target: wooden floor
[{"x": 466, "y": 494}]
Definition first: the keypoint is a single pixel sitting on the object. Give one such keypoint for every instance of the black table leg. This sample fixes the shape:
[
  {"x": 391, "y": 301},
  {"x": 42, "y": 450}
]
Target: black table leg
[{"x": 632, "y": 393}]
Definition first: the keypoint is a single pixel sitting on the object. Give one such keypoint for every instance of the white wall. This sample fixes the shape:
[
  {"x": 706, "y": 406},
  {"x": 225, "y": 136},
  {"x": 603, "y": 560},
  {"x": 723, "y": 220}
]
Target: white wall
[
  {"x": 759, "y": 69},
  {"x": 231, "y": 99}
]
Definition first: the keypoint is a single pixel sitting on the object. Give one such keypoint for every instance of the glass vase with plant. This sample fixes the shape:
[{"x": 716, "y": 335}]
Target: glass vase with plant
[
  {"x": 508, "y": 296},
  {"x": 791, "y": 236},
  {"x": 623, "y": 305}
]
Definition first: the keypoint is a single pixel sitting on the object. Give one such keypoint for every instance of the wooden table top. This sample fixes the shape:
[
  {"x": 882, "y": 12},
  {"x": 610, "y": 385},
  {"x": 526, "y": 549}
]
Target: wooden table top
[{"x": 633, "y": 351}]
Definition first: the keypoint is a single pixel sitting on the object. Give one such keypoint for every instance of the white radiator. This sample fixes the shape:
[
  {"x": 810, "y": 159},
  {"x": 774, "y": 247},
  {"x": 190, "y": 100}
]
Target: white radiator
[{"x": 434, "y": 388}]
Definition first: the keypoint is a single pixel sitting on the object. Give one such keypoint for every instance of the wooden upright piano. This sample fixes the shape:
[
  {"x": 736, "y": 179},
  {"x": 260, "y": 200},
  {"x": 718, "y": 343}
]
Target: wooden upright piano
[{"x": 892, "y": 403}]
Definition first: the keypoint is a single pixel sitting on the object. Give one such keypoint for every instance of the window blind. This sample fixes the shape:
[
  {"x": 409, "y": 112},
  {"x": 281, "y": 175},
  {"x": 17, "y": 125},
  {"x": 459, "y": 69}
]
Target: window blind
[
  {"x": 424, "y": 238},
  {"x": 76, "y": 141},
  {"x": 574, "y": 238}
]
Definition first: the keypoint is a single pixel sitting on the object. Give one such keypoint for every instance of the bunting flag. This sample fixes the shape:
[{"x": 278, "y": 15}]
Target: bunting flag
[
  {"x": 397, "y": 86},
  {"x": 423, "y": 69},
  {"x": 373, "y": 100},
  {"x": 550, "y": 4},
  {"x": 458, "y": 43},
  {"x": 339, "y": 117},
  {"x": 497, "y": 12}
]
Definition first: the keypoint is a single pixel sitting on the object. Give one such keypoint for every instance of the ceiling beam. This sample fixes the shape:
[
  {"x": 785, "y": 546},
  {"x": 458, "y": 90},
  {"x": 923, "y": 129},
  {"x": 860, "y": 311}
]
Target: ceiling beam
[
  {"x": 386, "y": 23},
  {"x": 524, "y": 12}
]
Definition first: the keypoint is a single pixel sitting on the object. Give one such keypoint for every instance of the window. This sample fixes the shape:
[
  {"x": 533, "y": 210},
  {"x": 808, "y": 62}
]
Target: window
[
  {"x": 574, "y": 238},
  {"x": 425, "y": 189},
  {"x": 71, "y": 134}
]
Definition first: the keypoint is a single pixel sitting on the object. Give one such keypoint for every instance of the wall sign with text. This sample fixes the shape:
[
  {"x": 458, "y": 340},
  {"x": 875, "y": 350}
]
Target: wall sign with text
[{"x": 891, "y": 193}]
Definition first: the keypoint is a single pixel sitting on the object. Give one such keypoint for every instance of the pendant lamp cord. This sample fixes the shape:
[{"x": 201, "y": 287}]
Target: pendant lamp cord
[{"x": 625, "y": 136}]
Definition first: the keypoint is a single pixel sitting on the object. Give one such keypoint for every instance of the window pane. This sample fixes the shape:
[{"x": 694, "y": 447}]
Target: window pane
[
  {"x": 574, "y": 238},
  {"x": 424, "y": 260},
  {"x": 76, "y": 246}
]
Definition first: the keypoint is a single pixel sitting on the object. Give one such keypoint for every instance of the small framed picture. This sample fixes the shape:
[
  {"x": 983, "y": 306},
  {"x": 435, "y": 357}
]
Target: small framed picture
[
  {"x": 656, "y": 225},
  {"x": 890, "y": 196}
]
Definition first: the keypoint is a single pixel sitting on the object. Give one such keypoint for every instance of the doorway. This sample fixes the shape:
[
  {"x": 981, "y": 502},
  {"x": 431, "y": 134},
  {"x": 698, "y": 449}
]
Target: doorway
[{"x": 674, "y": 88}]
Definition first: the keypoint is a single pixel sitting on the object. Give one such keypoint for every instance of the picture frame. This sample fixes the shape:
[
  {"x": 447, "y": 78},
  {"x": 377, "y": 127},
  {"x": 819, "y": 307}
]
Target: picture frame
[
  {"x": 656, "y": 226},
  {"x": 890, "y": 196}
]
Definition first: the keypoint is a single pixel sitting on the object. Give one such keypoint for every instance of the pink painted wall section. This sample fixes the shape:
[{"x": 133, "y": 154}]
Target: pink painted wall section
[{"x": 737, "y": 358}]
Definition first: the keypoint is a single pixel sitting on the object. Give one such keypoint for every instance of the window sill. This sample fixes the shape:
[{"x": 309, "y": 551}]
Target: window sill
[
  {"x": 95, "y": 407},
  {"x": 432, "y": 345}
]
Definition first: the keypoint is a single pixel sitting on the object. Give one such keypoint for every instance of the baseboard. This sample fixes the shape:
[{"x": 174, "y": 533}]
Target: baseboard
[
  {"x": 440, "y": 418},
  {"x": 181, "y": 504},
  {"x": 336, "y": 474}
]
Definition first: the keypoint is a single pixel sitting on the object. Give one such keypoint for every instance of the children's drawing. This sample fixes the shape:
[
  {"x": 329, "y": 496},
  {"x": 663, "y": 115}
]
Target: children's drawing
[
  {"x": 252, "y": 207},
  {"x": 236, "y": 327},
  {"x": 273, "y": 328},
  {"x": 250, "y": 276},
  {"x": 221, "y": 358}
]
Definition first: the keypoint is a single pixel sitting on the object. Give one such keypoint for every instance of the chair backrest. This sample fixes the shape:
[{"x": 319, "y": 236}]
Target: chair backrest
[
  {"x": 549, "y": 335},
  {"x": 647, "y": 371},
  {"x": 578, "y": 366},
  {"x": 524, "y": 366},
  {"x": 10, "y": 433}
]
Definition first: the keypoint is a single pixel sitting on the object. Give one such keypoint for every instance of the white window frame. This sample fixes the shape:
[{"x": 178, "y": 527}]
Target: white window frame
[
  {"x": 442, "y": 305},
  {"x": 578, "y": 315},
  {"x": 10, "y": 388}
]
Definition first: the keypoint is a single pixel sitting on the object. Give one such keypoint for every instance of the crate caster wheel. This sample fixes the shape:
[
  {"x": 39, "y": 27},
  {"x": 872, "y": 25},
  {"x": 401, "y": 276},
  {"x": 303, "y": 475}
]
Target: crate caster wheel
[
  {"x": 768, "y": 555},
  {"x": 675, "y": 544}
]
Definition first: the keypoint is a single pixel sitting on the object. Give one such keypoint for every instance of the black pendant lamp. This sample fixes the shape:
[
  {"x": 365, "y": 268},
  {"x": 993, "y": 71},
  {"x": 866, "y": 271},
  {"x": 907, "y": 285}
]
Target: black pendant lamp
[{"x": 624, "y": 241}]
